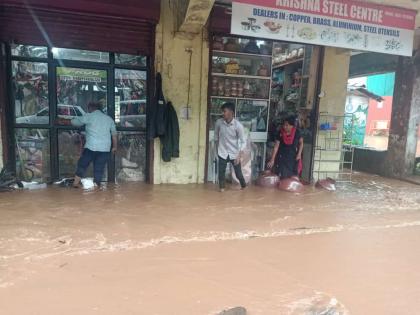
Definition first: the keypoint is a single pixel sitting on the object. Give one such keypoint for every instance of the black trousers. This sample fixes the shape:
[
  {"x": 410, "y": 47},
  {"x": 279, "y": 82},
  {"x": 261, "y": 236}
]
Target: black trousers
[
  {"x": 222, "y": 171},
  {"x": 99, "y": 159}
]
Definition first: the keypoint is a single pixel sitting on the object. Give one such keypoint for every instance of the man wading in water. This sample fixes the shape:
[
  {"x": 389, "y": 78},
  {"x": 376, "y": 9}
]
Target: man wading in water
[
  {"x": 100, "y": 129},
  {"x": 230, "y": 142}
]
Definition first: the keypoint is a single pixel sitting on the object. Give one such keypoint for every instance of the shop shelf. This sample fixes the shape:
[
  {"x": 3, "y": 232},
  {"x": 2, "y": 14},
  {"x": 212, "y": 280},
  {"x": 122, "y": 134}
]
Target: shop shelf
[
  {"x": 334, "y": 172},
  {"x": 289, "y": 62},
  {"x": 231, "y": 54},
  {"x": 333, "y": 161},
  {"x": 334, "y": 150},
  {"x": 227, "y": 75},
  {"x": 241, "y": 98}
]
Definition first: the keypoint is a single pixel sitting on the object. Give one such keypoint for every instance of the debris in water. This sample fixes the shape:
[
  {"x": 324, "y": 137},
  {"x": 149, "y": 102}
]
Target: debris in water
[
  {"x": 8, "y": 181},
  {"x": 320, "y": 304},
  {"x": 65, "y": 182},
  {"x": 234, "y": 311},
  {"x": 301, "y": 228},
  {"x": 33, "y": 185}
]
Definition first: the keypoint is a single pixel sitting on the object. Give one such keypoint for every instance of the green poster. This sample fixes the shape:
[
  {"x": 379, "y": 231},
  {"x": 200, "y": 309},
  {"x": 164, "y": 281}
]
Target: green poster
[{"x": 81, "y": 75}]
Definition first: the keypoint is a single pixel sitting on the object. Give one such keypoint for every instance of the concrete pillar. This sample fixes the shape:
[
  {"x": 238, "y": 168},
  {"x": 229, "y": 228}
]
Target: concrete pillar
[
  {"x": 3, "y": 101},
  {"x": 196, "y": 16},
  {"x": 402, "y": 145},
  {"x": 172, "y": 56},
  {"x": 333, "y": 101}
]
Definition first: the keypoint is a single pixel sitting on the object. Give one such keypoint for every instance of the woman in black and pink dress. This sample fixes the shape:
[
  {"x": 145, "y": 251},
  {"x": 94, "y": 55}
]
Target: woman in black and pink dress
[{"x": 287, "y": 153}]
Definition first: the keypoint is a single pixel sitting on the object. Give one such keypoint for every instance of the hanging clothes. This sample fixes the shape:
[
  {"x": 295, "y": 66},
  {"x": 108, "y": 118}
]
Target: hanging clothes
[
  {"x": 156, "y": 122},
  {"x": 170, "y": 140}
]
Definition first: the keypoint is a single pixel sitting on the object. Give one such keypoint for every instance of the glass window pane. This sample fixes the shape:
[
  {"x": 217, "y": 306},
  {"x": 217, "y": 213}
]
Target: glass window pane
[
  {"x": 130, "y": 158},
  {"x": 78, "y": 112},
  {"x": 253, "y": 114},
  {"x": 133, "y": 60},
  {"x": 80, "y": 55},
  {"x": 258, "y": 157},
  {"x": 33, "y": 155},
  {"x": 70, "y": 147},
  {"x": 30, "y": 91},
  {"x": 130, "y": 98},
  {"x": 29, "y": 51},
  {"x": 77, "y": 87},
  {"x": 212, "y": 163}
]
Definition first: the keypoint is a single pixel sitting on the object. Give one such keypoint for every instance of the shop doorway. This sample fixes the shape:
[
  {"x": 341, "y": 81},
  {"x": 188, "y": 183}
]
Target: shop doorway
[
  {"x": 267, "y": 81},
  {"x": 50, "y": 83}
]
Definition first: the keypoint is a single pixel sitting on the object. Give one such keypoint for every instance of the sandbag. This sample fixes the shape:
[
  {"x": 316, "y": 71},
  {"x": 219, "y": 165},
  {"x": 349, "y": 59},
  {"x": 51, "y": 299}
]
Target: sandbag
[
  {"x": 268, "y": 179},
  {"x": 291, "y": 184},
  {"x": 327, "y": 184}
]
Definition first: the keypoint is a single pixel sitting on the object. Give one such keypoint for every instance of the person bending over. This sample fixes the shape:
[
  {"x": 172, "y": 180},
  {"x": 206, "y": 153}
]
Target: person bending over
[{"x": 287, "y": 153}]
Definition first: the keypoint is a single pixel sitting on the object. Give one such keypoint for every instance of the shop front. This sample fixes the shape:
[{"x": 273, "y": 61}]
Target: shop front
[
  {"x": 268, "y": 58},
  {"x": 71, "y": 57}
]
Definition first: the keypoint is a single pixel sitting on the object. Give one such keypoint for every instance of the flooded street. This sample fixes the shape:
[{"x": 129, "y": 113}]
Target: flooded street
[{"x": 189, "y": 250}]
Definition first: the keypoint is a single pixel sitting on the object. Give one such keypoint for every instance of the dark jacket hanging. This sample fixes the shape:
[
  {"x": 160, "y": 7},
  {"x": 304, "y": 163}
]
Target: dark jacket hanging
[
  {"x": 156, "y": 127},
  {"x": 170, "y": 141}
]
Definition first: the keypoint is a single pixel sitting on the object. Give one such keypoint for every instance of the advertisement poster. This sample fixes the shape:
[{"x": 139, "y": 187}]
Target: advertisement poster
[{"x": 347, "y": 24}]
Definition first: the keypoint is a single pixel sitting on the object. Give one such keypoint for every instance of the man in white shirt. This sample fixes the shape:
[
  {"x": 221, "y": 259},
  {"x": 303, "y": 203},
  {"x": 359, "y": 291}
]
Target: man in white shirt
[{"x": 230, "y": 142}]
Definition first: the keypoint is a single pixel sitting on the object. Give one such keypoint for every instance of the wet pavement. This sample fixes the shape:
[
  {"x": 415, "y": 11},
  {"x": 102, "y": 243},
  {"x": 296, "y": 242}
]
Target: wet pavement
[{"x": 175, "y": 249}]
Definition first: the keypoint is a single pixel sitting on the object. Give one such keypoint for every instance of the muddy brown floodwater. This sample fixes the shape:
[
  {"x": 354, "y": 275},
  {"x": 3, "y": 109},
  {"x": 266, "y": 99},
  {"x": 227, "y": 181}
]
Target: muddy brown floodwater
[{"x": 189, "y": 250}]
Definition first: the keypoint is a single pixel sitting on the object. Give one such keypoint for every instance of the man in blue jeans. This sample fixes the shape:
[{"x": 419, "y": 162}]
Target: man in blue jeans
[{"x": 100, "y": 130}]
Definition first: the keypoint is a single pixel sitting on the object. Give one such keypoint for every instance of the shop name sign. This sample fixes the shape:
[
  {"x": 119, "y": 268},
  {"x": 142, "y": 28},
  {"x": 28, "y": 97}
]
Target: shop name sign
[{"x": 339, "y": 23}]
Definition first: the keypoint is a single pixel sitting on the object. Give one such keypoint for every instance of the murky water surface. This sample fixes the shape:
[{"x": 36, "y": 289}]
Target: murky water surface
[{"x": 141, "y": 249}]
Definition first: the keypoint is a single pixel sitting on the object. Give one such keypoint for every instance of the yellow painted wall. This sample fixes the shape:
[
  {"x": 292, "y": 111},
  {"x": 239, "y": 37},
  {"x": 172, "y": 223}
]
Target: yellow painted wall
[
  {"x": 172, "y": 60},
  {"x": 332, "y": 102},
  {"x": 334, "y": 80}
]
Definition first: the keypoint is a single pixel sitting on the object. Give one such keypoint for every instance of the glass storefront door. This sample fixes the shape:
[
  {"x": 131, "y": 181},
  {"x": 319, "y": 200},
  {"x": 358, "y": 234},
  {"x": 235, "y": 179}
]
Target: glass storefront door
[
  {"x": 76, "y": 87},
  {"x": 130, "y": 113},
  {"x": 48, "y": 84},
  {"x": 30, "y": 92}
]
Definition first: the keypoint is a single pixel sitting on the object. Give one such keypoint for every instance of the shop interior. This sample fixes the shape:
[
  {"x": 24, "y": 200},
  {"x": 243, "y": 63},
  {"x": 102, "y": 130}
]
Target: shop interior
[{"x": 267, "y": 81}]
